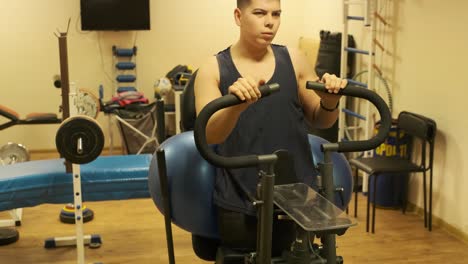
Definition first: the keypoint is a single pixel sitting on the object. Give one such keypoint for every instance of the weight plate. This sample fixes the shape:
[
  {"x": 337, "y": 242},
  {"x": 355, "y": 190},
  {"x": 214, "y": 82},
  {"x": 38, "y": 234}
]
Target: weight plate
[
  {"x": 11, "y": 153},
  {"x": 70, "y": 208},
  {"x": 8, "y": 236},
  {"x": 88, "y": 215},
  {"x": 63, "y": 212},
  {"x": 71, "y": 131}
]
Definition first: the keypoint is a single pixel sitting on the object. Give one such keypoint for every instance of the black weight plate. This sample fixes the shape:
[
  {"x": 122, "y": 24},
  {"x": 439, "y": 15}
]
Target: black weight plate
[
  {"x": 8, "y": 236},
  {"x": 88, "y": 215},
  {"x": 86, "y": 128}
]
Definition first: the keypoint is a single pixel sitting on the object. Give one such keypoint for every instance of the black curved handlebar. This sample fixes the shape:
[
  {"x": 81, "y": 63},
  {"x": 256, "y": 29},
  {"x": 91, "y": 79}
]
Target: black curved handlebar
[
  {"x": 200, "y": 131},
  {"x": 254, "y": 160},
  {"x": 377, "y": 101}
]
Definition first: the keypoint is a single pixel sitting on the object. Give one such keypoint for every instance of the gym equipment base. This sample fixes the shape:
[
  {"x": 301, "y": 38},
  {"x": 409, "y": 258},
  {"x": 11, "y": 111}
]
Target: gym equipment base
[{"x": 93, "y": 241}]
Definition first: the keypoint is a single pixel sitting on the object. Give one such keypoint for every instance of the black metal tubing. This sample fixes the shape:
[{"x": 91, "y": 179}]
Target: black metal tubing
[
  {"x": 39, "y": 122},
  {"x": 329, "y": 240},
  {"x": 160, "y": 121},
  {"x": 326, "y": 168},
  {"x": 200, "y": 133},
  {"x": 65, "y": 81},
  {"x": 161, "y": 158},
  {"x": 8, "y": 124},
  {"x": 34, "y": 122},
  {"x": 377, "y": 101},
  {"x": 265, "y": 223},
  {"x": 63, "y": 52}
]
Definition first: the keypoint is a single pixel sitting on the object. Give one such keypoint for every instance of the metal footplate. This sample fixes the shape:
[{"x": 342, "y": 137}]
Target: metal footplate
[{"x": 309, "y": 209}]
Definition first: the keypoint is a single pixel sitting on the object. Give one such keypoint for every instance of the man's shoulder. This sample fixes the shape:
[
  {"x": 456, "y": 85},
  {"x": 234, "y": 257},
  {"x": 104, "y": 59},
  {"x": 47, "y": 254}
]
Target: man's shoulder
[
  {"x": 209, "y": 63},
  {"x": 209, "y": 68},
  {"x": 299, "y": 62},
  {"x": 212, "y": 61},
  {"x": 223, "y": 51},
  {"x": 294, "y": 53},
  {"x": 278, "y": 46}
]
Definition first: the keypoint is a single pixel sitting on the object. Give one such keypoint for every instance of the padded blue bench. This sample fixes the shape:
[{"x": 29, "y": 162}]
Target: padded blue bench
[{"x": 33, "y": 183}]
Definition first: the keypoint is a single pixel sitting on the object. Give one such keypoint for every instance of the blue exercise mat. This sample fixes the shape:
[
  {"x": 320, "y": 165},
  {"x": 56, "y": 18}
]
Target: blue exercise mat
[{"x": 32, "y": 183}]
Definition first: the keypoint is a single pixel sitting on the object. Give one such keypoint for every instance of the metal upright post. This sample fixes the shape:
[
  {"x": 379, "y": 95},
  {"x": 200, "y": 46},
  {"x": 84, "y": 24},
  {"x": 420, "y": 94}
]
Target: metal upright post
[
  {"x": 78, "y": 204},
  {"x": 343, "y": 70},
  {"x": 65, "y": 80},
  {"x": 329, "y": 240}
]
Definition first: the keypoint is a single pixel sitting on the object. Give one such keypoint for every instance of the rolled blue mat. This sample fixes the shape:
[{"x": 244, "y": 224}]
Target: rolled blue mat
[
  {"x": 126, "y": 89},
  {"x": 124, "y": 52},
  {"x": 126, "y": 78},
  {"x": 125, "y": 65}
]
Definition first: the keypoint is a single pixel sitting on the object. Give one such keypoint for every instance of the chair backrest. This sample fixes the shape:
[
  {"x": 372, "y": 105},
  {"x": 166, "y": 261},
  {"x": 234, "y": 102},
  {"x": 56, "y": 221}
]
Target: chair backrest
[
  {"x": 417, "y": 125},
  {"x": 422, "y": 127},
  {"x": 188, "y": 112}
]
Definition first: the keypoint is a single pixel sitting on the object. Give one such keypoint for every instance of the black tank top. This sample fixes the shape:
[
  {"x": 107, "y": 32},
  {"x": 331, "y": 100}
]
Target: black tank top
[{"x": 274, "y": 122}]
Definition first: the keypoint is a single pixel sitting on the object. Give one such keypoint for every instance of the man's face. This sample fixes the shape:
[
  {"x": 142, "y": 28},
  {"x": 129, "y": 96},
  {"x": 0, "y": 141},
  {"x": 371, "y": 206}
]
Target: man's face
[{"x": 260, "y": 20}]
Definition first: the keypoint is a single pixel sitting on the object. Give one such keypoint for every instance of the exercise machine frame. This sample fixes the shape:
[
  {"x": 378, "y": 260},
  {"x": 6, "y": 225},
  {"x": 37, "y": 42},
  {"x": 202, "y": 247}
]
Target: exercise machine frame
[{"x": 266, "y": 185}]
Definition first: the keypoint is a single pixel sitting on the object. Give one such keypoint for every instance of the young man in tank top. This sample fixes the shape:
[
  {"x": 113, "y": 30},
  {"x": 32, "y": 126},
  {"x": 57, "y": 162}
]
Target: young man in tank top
[{"x": 276, "y": 122}]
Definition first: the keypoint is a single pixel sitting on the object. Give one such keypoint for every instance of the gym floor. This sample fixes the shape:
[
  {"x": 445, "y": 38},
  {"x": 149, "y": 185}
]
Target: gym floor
[{"x": 133, "y": 232}]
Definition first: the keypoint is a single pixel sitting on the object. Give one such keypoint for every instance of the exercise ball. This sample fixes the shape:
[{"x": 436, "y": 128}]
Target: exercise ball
[
  {"x": 342, "y": 175},
  {"x": 191, "y": 184}
]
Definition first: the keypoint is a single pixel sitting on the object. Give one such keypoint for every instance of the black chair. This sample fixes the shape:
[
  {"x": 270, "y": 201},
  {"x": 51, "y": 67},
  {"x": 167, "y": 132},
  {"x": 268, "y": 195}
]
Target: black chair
[{"x": 416, "y": 126}]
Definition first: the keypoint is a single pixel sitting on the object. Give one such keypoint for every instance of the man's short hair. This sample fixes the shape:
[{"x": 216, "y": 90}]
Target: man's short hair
[{"x": 242, "y": 3}]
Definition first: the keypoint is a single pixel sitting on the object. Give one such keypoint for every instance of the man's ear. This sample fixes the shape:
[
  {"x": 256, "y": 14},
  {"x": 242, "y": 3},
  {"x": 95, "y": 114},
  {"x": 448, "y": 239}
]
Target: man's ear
[{"x": 238, "y": 16}]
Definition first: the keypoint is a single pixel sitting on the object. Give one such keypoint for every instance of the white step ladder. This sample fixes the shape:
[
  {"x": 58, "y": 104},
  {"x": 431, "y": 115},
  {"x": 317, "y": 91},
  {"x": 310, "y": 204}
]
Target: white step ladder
[
  {"x": 369, "y": 20},
  {"x": 360, "y": 112}
]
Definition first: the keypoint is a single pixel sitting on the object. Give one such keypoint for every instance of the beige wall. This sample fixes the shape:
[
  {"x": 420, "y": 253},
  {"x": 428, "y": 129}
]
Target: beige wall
[
  {"x": 182, "y": 32},
  {"x": 426, "y": 69},
  {"x": 429, "y": 79}
]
